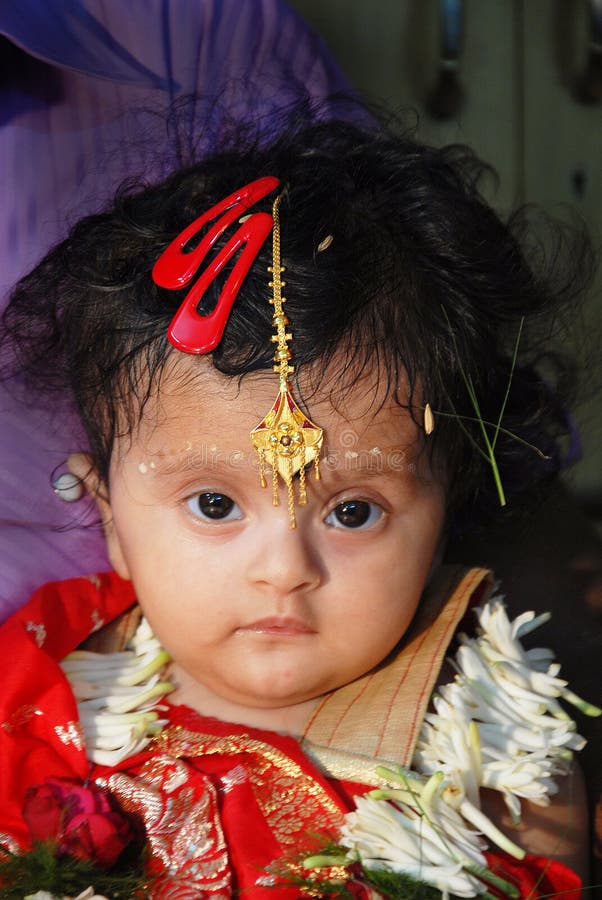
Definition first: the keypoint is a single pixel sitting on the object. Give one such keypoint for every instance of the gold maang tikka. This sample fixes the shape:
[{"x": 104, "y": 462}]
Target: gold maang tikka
[{"x": 285, "y": 439}]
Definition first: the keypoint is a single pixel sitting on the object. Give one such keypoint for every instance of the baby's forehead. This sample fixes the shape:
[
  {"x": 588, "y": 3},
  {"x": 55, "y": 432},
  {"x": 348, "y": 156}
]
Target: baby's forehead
[{"x": 195, "y": 408}]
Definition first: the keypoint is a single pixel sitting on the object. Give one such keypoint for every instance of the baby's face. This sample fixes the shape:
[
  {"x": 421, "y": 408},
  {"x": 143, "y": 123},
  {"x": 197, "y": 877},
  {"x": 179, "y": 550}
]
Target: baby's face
[{"x": 257, "y": 615}]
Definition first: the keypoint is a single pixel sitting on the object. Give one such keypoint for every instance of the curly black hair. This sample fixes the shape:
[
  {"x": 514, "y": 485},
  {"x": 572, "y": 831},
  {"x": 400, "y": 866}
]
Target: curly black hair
[{"x": 421, "y": 276}]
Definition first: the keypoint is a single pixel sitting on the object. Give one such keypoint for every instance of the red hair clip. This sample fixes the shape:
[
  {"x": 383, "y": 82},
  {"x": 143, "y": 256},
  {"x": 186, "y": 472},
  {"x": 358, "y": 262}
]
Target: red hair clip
[{"x": 190, "y": 331}]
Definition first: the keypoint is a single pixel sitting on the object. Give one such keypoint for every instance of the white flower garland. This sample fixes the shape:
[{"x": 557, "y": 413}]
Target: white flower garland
[
  {"x": 419, "y": 835},
  {"x": 499, "y": 724},
  {"x": 119, "y": 695}
]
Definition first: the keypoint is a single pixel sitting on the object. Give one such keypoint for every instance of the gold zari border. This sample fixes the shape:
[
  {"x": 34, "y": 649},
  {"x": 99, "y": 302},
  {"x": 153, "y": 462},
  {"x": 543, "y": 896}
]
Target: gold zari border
[{"x": 291, "y": 801}]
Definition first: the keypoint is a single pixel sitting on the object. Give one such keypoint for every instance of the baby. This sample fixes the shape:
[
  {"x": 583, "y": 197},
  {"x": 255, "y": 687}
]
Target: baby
[{"x": 299, "y": 367}]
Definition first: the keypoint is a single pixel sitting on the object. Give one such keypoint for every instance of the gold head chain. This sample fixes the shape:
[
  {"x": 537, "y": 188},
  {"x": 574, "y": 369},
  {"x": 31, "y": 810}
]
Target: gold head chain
[{"x": 285, "y": 439}]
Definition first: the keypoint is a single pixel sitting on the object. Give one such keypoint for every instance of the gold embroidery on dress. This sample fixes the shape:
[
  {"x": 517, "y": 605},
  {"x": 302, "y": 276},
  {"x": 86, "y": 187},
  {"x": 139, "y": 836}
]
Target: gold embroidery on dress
[
  {"x": 71, "y": 733},
  {"x": 8, "y": 843},
  {"x": 291, "y": 801},
  {"x": 331, "y": 874},
  {"x": 183, "y": 830},
  {"x": 39, "y": 632},
  {"x": 20, "y": 717}
]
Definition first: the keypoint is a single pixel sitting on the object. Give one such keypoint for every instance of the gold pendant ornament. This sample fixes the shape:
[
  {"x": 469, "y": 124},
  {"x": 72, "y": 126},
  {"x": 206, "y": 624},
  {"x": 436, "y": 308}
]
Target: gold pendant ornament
[{"x": 285, "y": 439}]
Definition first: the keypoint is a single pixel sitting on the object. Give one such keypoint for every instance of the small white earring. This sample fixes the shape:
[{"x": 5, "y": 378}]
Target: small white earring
[{"x": 68, "y": 487}]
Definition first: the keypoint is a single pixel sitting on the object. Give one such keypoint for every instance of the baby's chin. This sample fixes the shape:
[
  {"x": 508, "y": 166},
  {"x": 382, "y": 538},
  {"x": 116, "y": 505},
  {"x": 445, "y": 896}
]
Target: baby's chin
[{"x": 267, "y": 706}]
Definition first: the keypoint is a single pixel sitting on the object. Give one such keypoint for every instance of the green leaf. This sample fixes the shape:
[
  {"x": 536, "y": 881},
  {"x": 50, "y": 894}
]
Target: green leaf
[
  {"x": 44, "y": 869},
  {"x": 398, "y": 886}
]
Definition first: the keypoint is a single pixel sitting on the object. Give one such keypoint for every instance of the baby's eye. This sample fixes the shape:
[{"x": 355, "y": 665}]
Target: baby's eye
[
  {"x": 354, "y": 514},
  {"x": 214, "y": 506}
]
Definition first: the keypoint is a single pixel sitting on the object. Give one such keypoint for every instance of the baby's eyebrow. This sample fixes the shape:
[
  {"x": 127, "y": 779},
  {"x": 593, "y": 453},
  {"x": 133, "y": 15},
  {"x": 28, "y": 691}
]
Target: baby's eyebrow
[
  {"x": 397, "y": 466},
  {"x": 191, "y": 461}
]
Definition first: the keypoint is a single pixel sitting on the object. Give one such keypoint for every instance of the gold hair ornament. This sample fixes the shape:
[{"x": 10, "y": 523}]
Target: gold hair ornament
[{"x": 285, "y": 439}]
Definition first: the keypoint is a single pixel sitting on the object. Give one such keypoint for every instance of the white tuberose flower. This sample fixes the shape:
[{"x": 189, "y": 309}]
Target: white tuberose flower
[
  {"x": 499, "y": 724},
  {"x": 427, "y": 840},
  {"x": 118, "y": 696}
]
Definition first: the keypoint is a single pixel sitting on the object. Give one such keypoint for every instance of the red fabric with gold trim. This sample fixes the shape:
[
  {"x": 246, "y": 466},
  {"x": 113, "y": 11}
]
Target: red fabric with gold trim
[
  {"x": 269, "y": 797},
  {"x": 39, "y": 726}
]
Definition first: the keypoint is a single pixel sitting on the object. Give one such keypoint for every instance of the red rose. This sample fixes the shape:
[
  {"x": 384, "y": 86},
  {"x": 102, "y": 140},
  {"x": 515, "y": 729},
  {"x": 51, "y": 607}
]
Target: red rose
[
  {"x": 83, "y": 821},
  {"x": 42, "y": 813}
]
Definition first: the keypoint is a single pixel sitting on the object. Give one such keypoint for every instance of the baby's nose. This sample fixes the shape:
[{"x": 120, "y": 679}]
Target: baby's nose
[{"x": 286, "y": 559}]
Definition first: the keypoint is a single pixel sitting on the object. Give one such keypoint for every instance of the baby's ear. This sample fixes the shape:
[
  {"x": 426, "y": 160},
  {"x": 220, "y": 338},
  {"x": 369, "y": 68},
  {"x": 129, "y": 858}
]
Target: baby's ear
[{"x": 82, "y": 466}]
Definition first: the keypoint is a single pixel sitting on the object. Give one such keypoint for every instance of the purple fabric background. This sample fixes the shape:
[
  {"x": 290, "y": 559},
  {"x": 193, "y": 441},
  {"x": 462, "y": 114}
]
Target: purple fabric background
[{"x": 85, "y": 86}]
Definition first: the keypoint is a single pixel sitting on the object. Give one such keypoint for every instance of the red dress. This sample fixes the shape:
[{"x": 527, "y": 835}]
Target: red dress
[{"x": 220, "y": 802}]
